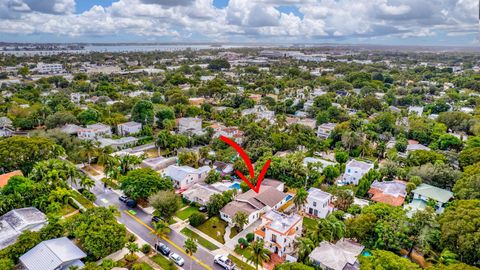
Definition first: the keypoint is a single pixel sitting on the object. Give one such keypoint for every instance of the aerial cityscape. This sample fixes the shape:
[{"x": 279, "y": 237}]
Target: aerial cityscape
[{"x": 239, "y": 135}]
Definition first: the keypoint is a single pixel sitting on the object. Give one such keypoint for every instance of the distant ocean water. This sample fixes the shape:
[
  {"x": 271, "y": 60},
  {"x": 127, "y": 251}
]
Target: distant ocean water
[{"x": 130, "y": 48}]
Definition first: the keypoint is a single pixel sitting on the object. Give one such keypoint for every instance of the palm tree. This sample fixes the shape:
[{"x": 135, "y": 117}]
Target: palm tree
[
  {"x": 304, "y": 246},
  {"x": 300, "y": 199},
  {"x": 128, "y": 162},
  {"x": 111, "y": 167},
  {"x": 258, "y": 253},
  {"x": 191, "y": 247},
  {"x": 132, "y": 247},
  {"x": 328, "y": 229},
  {"x": 161, "y": 230},
  {"x": 89, "y": 150},
  {"x": 87, "y": 182}
]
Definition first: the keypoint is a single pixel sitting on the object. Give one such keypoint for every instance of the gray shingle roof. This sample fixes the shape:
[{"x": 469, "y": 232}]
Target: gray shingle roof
[{"x": 50, "y": 254}]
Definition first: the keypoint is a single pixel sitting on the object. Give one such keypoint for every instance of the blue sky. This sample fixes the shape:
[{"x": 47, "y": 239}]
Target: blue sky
[{"x": 395, "y": 22}]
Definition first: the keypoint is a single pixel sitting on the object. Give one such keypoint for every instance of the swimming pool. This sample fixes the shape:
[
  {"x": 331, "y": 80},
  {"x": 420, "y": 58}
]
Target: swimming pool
[
  {"x": 235, "y": 186},
  {"x": 366, "y": 253},
  {"x": 289, "y": 197}
]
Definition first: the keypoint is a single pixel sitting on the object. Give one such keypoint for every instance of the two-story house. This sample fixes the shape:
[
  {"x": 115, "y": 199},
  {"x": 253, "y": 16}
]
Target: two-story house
[
  {"x": 185, "y": 176},
  {"x": 318, "y": 203},
  {"x": 354, "y": 170},
  {"x": 128, "y": 128},
  {"x": 270, "y": 196},
  {"x": 279, "y": 231},
  {"x": 425, "y": 195}
]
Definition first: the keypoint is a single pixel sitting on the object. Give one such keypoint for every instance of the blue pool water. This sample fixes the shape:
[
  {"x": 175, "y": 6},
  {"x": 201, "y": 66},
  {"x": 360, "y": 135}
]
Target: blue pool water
[
  {"x": 366, "y": 253},
  {"x": 235, "y": 186},
  {"x": 289, "y": 197}
]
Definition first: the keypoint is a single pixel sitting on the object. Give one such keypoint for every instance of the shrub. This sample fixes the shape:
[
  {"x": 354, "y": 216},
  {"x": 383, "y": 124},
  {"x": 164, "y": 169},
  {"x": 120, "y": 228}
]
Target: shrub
[
  {"x": 146, "y": 248},
  {"x": 89, "y": 195},
  {"x": 197, "y": 219},
  {"x": 243, "y": 242},
  {"x": 132, "y": 238},
  {"x": 250, "y": 237}
]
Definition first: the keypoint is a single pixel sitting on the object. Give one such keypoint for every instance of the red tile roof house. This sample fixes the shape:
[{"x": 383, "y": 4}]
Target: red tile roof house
[{"x": 388, "y": 192}]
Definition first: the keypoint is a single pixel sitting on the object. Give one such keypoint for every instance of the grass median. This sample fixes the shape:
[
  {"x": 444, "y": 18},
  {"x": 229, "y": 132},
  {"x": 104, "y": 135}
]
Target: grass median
[{"x": 202, "y": 241}]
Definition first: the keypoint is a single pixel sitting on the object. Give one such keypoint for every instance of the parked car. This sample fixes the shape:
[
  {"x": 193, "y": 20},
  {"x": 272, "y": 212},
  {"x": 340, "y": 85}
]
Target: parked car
[
  {"x": 131, "y": 203},
  {"x": 224, "y": 262},
  {"x": 123, "y": 198},
  {"x": 155, "y": 219},
  {"x": 162, "y": 248},
  {"x": 202, "y": 209},
  {"x": 176, "y": 259}
]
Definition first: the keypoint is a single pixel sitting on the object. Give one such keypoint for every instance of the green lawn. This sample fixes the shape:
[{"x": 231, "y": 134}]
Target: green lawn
[
  {"x": 187, "y": 212},
  {"x": 240, "y": 264},
  {"x": 144, "y": 266},
  {"x": 82, "y": 200},
  {"x": 243, "y": 252},
  {"x": 163, "y": 262},
  {"x": 215, "y": 228},
  {"x": 202, "y": 241},
  {"x": 234, "y": 231},
  {"x": 309, "y": 224}
]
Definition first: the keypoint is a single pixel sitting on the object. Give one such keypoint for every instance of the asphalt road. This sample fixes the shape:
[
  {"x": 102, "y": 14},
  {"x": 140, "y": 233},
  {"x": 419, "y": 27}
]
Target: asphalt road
[{"x": 140, "y": 223}]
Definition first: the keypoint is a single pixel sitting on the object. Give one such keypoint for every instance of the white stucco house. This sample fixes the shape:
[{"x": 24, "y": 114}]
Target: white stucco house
[
  {"x": 318, "y": 203},
  {"x": 185, "y": 176},
  {"x": 354, "y": 170},
  {"x": 128, "y": 128},
  {"x": 279, "y": 231}
]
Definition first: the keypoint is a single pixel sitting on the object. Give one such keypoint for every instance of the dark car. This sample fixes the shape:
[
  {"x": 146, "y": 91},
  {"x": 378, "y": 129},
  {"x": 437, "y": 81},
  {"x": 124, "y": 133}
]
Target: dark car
[
  {"x": 131, "y": 203},
  {"x": 162, "y": 248},
  {"x": 202, "y": 209},
  {"x": 123, "y": 198},
  {"x": 155, "y": 219}
]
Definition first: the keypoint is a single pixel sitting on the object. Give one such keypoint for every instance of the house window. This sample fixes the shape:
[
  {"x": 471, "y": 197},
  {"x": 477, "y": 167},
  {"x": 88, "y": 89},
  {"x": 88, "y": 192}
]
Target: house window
[
  {"x": 314, "y": 204},
  {"x": 274, "y": 238},
  {"x": 348, "y": 170}
]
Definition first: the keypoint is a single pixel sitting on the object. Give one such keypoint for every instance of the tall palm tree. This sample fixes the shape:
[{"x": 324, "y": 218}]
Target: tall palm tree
[
  {"x": 128, "y": 162},
  {"x": 89, "y": 150},
  {"x": 191, "y": 247},
  {"x": 304, "y": 246},
  {"x": 161, "y": 230},
  {"x": 258, "y": 253},
  {"x": 300, "y": 199},
  {"x": 111, "y": 167}
]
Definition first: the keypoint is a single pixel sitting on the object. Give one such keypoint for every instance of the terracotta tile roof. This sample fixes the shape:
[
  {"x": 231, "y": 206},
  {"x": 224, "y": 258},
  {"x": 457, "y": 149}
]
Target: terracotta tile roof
[
  {"x": 260, "y": 233},
  {"x": 5, "y": 177},
  {"x": 379, "y": 196}
]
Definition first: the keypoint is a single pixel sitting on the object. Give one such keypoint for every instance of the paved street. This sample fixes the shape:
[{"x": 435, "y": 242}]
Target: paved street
[{"x": 140, "y": 223}]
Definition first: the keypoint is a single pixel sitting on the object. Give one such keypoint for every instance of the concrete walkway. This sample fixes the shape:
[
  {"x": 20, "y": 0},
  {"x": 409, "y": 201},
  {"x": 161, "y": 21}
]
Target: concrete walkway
[
  {"x": 226, "y": 236},
  {"x": 234, "y": 241}
]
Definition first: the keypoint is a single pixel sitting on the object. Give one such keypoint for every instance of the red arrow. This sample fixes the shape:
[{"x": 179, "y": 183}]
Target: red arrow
[{"x": 247, "y": 161}]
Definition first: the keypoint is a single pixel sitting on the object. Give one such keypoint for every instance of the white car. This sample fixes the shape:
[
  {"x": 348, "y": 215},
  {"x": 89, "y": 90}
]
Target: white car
[
  {"x": 224, "y": 262},
  {"x": 176, "y": 259}
]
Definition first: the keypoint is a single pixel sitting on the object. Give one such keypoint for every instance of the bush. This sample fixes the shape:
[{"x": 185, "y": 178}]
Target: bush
[
  {"x": 250, "y": 237},
  {"x": 243, "y": 242},
  {"x": 132, "y": 238},
  {"x": 89, "y": 195},
  {"x": 146, "y": 248},
  {"x": 197, "y": 219}
]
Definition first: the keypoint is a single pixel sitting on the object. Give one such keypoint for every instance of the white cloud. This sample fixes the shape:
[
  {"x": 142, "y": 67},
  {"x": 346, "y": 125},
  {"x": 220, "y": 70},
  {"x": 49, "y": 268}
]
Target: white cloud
[{"x": 253, "y": 20}]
